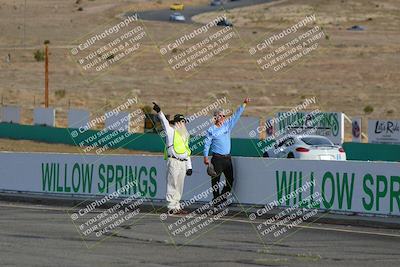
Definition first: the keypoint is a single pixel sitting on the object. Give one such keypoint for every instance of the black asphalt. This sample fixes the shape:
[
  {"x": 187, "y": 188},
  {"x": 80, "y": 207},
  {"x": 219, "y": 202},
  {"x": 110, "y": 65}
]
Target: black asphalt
[
  {"x": 39, "y": 235},
  {"x": 189, "y": 12}
]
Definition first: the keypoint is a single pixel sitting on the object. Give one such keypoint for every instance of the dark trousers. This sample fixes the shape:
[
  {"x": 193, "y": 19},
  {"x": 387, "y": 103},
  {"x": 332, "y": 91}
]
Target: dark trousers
[{"x": 222, "y": 164}]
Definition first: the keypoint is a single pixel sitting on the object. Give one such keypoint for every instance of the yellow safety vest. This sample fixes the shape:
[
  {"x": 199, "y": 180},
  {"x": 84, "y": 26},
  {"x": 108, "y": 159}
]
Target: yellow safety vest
[{"x": 180, "y": 145}]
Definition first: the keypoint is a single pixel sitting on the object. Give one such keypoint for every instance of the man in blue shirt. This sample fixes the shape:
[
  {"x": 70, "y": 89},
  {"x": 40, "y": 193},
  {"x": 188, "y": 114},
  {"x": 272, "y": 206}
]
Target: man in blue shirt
[{"x": 218, "y": 142}]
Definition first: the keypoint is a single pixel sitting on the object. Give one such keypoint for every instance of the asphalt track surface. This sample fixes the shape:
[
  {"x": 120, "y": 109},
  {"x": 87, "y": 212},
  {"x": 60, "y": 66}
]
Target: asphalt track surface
[
  {"x": 37, "y": 235},
  {"x": 189, "y": 12}
]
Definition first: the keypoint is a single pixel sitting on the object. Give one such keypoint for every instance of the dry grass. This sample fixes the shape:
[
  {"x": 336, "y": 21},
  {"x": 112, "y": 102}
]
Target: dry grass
[
  {"x": 32, "y": 146},
  {"x": 348, "y": 72}
]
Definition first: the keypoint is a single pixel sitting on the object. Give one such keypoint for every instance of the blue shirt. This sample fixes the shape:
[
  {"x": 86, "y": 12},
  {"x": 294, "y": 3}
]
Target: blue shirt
[{"x": 218, "y": 139}]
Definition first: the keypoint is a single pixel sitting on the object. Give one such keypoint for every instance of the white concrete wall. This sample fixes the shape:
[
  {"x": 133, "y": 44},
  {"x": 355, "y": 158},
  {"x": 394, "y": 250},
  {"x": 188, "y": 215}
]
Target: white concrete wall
[
  {"x": 78, "y": 118},
  {"x": 44, "y": 116},
  {"x": 350, "y": 186},
  {"x": 10, "y": 114},
  {"x": 118, "y": 122},
  {"x": 199, "y": 125},
  {"x": 245, "y": 127}
]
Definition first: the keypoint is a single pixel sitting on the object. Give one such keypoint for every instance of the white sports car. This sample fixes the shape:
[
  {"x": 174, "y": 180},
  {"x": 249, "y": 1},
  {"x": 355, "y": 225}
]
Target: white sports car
[
  {"x": 176, "y": 16},
  {"x": 312, "y": 147}
]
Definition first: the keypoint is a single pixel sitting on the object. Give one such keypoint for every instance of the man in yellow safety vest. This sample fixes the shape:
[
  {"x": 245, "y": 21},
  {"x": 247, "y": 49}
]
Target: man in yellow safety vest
[{"x": 177, "y": 154}]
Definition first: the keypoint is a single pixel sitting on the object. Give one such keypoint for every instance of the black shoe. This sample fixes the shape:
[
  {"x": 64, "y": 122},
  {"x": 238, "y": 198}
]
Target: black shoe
[{"x": 178, "y": 212}]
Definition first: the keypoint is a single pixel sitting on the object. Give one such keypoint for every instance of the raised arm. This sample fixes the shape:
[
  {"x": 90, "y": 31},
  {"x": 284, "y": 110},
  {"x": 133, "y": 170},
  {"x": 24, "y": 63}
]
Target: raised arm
[
  {"x": 164, "y": 121},
  {"x": 236, "y": 116},
  {"x": 161, "y": 116}
]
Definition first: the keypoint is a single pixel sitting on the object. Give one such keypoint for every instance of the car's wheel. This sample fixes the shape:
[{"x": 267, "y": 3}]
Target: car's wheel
[{"x": 290, "y": 156}]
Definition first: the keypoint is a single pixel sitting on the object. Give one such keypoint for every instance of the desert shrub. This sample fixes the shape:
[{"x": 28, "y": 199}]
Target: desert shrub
[
  {"x": 39, "y": 55},
  {"x": 368, "y": 109},
  {"x": 147, "y": 109},
  {"x": 60, "y": 93}
]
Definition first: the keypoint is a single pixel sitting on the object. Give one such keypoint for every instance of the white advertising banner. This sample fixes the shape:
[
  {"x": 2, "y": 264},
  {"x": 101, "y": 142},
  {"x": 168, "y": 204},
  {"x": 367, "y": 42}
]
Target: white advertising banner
[
  {"x": 384, "y": 131},
  {"x": 269, "y": 127},
  {"x": 328, "y": 124},
  {"x": 356, "y": 129},
  {"x": 91, "y": 174},
  {"x": 361, "y": 187},
  {"x": 199, "y": 125}
]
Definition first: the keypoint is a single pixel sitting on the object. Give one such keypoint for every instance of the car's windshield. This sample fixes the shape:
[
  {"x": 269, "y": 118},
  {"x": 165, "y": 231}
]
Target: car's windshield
[{"x": 316, "y": 141}]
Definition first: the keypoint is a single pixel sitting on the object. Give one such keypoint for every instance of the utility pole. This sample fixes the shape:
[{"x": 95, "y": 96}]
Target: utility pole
[{"x": 46, "y": 74}]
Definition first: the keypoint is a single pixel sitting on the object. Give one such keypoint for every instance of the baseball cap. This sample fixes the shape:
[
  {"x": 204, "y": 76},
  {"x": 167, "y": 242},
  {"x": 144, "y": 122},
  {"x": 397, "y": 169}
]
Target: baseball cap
[{"x": 178, "y": 118}]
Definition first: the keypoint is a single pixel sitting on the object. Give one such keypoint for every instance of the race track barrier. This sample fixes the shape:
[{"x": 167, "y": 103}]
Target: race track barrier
[
  {"x": 347, "y": 186},
  {"x": 136, "y": 141},
  {"x": 154, "y": 143},
  {"x": 372, "y": 152}
]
